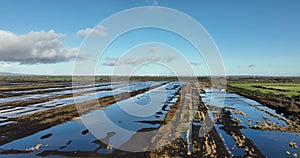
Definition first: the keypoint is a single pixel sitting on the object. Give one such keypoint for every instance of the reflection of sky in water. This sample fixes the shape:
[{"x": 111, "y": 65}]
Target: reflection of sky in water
[
  {"x": 122, "y": 123},
  {"x": 118, "y": 88},
  {"x": 37, "y": 96},
  {"x": 100, "y": 123},
  {"x": 236, "y": 151},
  {"x": 61, "y": 135},
  {"x": 271, "y": 143}
]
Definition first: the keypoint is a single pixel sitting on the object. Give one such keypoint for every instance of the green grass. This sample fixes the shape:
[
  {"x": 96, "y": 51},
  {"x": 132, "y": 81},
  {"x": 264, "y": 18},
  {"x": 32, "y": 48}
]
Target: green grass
[{"x": 291, "y": 88}]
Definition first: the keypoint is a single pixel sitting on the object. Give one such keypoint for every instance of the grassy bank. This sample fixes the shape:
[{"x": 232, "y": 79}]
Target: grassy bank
[
  {"x": 278, "y": 96},
  {"x": 287, "y": 90}
]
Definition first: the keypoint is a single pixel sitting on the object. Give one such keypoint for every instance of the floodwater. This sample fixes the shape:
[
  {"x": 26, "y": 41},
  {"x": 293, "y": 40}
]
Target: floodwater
[
  {"x": 115, "y": 124},
  {"x": 271, "y": 143},
  {"x": 96, "y": 92}
]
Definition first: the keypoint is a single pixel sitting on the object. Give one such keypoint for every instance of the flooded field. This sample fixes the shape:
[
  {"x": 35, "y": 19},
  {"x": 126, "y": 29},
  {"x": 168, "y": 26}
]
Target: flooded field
[
  {"x": 44, "y": 121},
  {"x": 265, "y": 129}
]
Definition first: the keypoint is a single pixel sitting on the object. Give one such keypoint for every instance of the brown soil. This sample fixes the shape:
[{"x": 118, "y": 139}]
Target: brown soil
[
  {"x": 43, "y": 91},
  {"x": 23, "y": 87},
  {"x": 30, "y": 124},
  {"x": 278, "y": 104},
  {"x": 232, "y": 128},
  {"x": 211, "y": 145},
  {"x": 46, "y": 99}
]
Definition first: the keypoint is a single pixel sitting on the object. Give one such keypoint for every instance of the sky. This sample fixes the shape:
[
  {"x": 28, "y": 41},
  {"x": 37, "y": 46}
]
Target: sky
[{"x": 46, "y": 37}]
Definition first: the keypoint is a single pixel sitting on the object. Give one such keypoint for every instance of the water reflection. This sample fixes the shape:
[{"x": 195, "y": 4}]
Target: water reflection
[{"x": 271, "y": 143}]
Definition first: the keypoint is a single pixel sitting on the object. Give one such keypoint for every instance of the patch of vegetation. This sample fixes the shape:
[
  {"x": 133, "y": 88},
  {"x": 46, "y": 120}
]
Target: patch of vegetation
[
  {"x": 284, "y": 89},
  {"x": 282, "y": 100}
]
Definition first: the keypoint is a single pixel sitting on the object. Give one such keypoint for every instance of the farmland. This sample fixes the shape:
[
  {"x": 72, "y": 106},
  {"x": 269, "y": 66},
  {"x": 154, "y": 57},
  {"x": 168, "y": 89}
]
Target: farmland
[
  {"x": 149, "y": 79},
  {"x": 74, "y": 119},
  {"x": 281, "y": 96},
  {"x": 288, "y": 89}
]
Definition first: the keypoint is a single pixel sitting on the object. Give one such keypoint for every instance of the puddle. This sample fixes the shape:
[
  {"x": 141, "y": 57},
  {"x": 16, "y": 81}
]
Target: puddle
[
  {"x": 113, "y": 124},
  {"x": 77, "y": 89},
  {"x": 271, "y": 143},
  {"x": 117, "y": 89},
  {"x": 230, "y": 143}
]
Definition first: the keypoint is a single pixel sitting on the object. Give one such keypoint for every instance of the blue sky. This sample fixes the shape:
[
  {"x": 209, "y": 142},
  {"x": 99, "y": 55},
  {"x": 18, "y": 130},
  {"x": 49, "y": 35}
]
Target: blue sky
[{"x": 254, "y": 37}]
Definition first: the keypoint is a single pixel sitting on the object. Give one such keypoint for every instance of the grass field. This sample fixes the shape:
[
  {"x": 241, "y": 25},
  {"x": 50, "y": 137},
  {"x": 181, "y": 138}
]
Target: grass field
[{"x": 289, "y": 89}]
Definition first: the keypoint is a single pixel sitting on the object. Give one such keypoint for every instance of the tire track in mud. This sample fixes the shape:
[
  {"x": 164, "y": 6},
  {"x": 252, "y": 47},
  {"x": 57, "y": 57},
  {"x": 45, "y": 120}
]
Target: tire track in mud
[{"x": 33, "y": 123}]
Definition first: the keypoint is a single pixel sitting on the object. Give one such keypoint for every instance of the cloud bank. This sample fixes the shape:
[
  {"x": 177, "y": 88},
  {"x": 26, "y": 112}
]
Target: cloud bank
[{"x": 34, "y": 48}]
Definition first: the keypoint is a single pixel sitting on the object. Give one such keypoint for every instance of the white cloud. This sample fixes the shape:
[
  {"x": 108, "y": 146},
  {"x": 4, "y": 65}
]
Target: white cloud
[
  {"x": 113, "y": 61},
  {"x": 97, "y": 31},
  {"x": 110, "y": 61},
  {"x": 34, "y": 47}
]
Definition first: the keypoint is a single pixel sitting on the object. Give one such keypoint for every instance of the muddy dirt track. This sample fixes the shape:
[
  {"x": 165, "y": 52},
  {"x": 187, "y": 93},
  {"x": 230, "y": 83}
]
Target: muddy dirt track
[{"x": 187, "y": 124}]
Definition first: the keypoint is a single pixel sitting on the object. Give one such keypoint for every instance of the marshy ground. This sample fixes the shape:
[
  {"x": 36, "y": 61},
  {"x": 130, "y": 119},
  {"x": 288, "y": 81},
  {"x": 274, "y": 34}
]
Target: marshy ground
[{"x": 41, "y": 119}]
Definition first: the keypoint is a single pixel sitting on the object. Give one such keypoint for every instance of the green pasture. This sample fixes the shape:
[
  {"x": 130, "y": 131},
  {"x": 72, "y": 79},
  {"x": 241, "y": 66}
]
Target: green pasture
[{"x": 290, "y": 88}]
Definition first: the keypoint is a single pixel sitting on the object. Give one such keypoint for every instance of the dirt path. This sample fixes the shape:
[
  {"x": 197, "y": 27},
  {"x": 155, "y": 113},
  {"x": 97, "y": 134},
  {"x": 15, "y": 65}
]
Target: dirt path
[
  {"x": 188, "y": 114},
  {"x": 211, "y": 145}
]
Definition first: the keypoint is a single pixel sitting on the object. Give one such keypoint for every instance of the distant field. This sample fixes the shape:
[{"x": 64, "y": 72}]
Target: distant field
[{"x": 289, "y": 89}]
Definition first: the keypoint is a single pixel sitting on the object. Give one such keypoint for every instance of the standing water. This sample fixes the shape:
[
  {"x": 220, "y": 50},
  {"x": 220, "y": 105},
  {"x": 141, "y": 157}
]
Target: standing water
[{"x": 268, "y": 130}]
